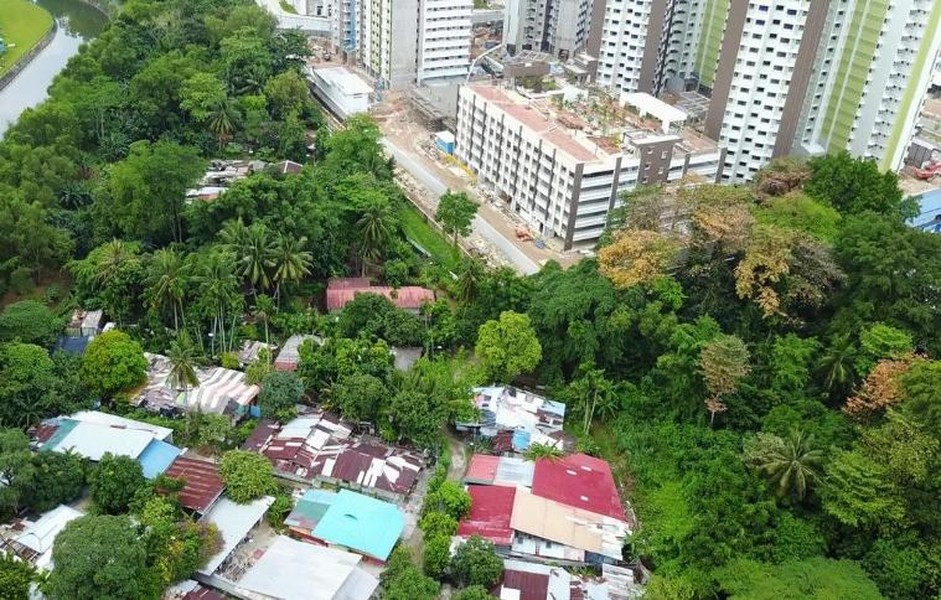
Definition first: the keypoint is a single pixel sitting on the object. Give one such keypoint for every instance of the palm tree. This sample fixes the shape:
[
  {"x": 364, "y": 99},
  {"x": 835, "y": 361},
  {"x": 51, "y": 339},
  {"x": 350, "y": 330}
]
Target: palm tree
[
  {"x": 837, "y": 365},
  {"x": 220, "y": 285},
  {"x": 166, "y": 283},
  {"x": 263, "y": 311},
  {"x": 115, "y": 256},
  {"x": 591, "y": 391},
  {"x": 291, "y": 261},
  {"x": 792, "y": 465},
  {"x": 222, "y": 119},
  {"x": 182, "y": 357},
  {"x": 468, "y": 280},
  {"x": 253, "y": 249},
  {"x": 375, "y": 228}
]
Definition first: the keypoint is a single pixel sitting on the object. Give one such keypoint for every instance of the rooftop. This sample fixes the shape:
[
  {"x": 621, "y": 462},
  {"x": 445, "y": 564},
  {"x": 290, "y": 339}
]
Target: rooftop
[
  {"x": 341, "y": 291},
  {"x": 320, "y": 445},
  {"x": 220, "y": 390},
  {"x": 293, "y": 570},
  {"x": 289, "y": 355},
  {"x": 348, "y": 83},
  {"x": 92, "y": 440},
  {"x": 591, "y": 127},
  {"x": 234, "y": 522},
  {"x": 361, "y": 523},
  {"x": 579, "y": 481},
  {"x": 533, "y": 581},
  {"x": 500, "y": 470},
  {"x": 532, "y": 417},
  {"x": 202, "y": 483},
  {"x": 156, "y": 457},
  {"x": 38, "y": 537},
  {"x": 490, "y": 514}
]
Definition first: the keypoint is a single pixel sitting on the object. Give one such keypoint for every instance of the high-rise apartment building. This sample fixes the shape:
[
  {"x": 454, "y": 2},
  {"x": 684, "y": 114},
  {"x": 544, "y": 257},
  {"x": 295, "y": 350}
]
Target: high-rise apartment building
[
  {"x": 404, "y": 42},
  {"x": 557, "y": 27},
  {"x": 783, "y": 76}
]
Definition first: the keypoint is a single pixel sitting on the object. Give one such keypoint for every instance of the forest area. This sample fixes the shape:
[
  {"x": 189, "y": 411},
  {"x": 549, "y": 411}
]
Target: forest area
[{"x": 759, "y": 363}]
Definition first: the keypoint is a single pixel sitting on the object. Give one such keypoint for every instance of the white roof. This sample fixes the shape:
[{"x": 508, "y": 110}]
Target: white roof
[
  {"x": 349, "y": 83},
  {"x": 292, "y": 570},
  {"x": 445, "y": 136},
  {"x": 234, "y": 522},
  {"x": 647, "y": 104},
  {"x": 217, "y": 387},
  {"x": 94, "y": 416},
  {"x": 39, "y": 536},
  {"x": 93, "y": 440}
]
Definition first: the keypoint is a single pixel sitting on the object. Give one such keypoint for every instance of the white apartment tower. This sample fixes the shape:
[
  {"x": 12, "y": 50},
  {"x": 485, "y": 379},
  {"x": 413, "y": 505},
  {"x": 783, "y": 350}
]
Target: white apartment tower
[
  {"x": 403, "y": 42},
  {"x": 784, "y": 76},
  {"x": 557, "y": 27}
]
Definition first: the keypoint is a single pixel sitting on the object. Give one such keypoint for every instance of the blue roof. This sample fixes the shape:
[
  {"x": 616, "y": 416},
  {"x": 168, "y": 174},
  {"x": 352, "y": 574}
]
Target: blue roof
[
  {"x": 73, "y": 345},
  {"x": 157, "y": 457},
  {"x": 361, "y": 523}
]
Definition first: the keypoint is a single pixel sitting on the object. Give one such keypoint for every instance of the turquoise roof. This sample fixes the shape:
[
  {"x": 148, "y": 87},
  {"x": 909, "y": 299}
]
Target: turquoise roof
[
  {"x": 361, "y": 523},
  {"x": 65, "y": 428},
  {"x": 157, "y": 458},
  {"x": 308, "y": 511}
]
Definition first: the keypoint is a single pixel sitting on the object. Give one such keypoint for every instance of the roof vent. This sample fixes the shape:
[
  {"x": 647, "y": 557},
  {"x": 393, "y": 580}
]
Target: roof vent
[
  {"x": 571, "y": 472},
  {"x": 584, "y": 498}
]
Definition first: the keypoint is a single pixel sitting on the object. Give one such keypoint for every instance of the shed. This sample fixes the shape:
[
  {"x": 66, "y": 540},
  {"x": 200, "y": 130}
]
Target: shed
[
  {"x": 290, "y": 356},
  {"x": 444, "y": 140},
  {"x": 202, "y": 484},
  {"x": 234, "y": 522}
]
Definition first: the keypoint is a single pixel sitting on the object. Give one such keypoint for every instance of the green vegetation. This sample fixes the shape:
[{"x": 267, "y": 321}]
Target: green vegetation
[
  {"x": 22, "y": 26},
  {"x": 287, "y": 7},
  {"x": 416, "y": 228}
]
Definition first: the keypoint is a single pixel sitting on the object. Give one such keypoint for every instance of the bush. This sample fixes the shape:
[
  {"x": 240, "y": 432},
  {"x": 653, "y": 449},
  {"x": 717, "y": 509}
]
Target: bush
[
  {"x": 280, "y": 393},
  {"x": 280, "y": 509},
  {"x": 475, "y": 562},
  {"x": 437, "y": 555},
  {"x": 449, "y": 498},
  {"x": 115, "y": 482},
  {"x": 113, "y": 363}
]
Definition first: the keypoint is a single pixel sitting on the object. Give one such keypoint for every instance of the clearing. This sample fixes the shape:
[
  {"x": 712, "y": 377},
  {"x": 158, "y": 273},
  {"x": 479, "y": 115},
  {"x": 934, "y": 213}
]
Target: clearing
[{"x": 22, "y": 25}]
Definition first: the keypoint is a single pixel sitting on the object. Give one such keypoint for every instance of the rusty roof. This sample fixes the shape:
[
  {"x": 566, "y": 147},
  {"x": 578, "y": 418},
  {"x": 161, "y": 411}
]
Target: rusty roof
[{"x": 202, "y": 483}]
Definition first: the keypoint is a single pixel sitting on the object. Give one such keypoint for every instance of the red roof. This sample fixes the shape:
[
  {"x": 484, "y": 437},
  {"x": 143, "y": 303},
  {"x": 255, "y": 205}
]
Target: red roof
[
  {"x": 203, "y": 485},
  {"x": 342, "y": 291},
  {"x": 202, "y": 593},
  {"x": 532, "y": 586},
  {"x": 482, "y": 469},
  {"x": 491, "y": 509},
  {"x": 581, "y": 481}
]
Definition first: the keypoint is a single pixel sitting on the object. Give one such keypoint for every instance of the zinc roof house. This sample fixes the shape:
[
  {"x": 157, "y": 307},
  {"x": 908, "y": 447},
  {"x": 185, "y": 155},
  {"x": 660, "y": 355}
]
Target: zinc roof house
[
  {"x": 565, "y": 509},
  {"x": 293, "y": 570},
  {"x": 202, "y": 484},
  {"x": 220, "y": 390},
  {"x": 348, "y": 520},
  {"x": 533, "y": 581},
  {"x": 531, "y": 418},
  {"x": 320, "y": 447},
  {"x": 289, "y": 357},
  {"x": 92, "y": 434},
  {"x": 234, "y": 522},
  {"x": 34, "y": 541},
  {"x": 342, "y": 291}
]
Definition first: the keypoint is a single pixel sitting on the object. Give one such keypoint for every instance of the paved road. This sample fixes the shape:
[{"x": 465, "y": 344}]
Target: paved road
[{"x": 523, "y": 263}]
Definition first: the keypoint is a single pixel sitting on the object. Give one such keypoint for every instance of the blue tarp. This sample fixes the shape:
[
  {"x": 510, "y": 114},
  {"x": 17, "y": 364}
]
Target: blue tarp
[
  {"x": 929, "y": 217},
  {"x": 362, "y": 524},
  {"x": 521, "y": 440},
  {"x": 157, "y": 458}
]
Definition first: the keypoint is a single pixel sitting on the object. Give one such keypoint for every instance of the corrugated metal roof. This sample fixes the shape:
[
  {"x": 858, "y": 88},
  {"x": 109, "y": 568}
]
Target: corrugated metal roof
[
  {"x": 292, "y": 570},
  {"x": 309, "y": 510},
  {"x": 500, "y": 470},
  {"x": 92, "y": 441},
  {"x": 40, "y": 535},
  {"x": 102, "y": 418},
  {"x": 490, "y": 514},
  {"x": 157, "y": 457},
  {"x": 341, "y": 291},
  {"x": 202, "y": 483},
  {"x": 580, "y": 481},
  {"x": 530, "y": 417},
  {"x": 361, "y": 523},
  {"x": 482, "y": 469},
  {"x": 234, "y": 522},
  {"x": 289, "y": 356}
]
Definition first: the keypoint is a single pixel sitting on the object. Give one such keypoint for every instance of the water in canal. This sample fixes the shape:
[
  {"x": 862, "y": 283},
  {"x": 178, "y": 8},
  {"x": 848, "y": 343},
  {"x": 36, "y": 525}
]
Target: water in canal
[{"x": 78, "y": 22}]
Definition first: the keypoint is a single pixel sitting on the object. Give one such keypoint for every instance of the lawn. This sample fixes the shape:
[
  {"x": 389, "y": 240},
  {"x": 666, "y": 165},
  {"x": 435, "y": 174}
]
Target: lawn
[
  {"x": 418, "y": 230},
  {"x": 22, "y": 24}
]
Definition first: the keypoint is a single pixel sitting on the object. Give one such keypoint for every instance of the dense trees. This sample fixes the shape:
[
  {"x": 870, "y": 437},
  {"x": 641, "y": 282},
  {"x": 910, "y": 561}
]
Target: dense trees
[
  {"x": 114, "y": 483},
  {"x": 113, "y": 362},
  {"x": 247, "y": 475},
  {"x": 508, "y": 346}
]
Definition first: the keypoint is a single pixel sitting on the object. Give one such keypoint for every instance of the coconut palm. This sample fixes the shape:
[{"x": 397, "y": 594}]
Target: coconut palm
[
  {"x": 182, "y": 357},
  {"x": 263, "y": 310},
  {"x": 219, "y": 285},
  {"x": 254, "y": 250},
  {"x": 291, "y": 261},
  {"x": 166, "y": 283},
  {"x": 836, "y": 365},
  {"x": 376, "y": 226},
  {"x": 791, "y": 464},
  {"x": 222, "y": 119},
  {"x": 468, "y": 280}
]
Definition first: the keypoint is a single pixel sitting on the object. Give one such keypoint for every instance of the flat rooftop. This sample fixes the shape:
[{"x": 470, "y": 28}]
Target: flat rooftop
[
  {"x": 591, "y": 128},
  {"x": 347, "y": 82}
]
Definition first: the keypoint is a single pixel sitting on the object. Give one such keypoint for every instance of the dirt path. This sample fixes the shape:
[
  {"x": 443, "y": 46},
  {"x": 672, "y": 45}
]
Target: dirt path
[{"x": 458, "y": 459}]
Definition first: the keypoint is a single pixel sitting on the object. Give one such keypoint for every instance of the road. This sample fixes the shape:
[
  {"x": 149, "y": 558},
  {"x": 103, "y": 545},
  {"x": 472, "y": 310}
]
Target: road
[{"x": 422, "y": 175}]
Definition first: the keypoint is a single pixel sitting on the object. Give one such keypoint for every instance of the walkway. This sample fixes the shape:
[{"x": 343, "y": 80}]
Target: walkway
[{"x": 481, "y": 226}]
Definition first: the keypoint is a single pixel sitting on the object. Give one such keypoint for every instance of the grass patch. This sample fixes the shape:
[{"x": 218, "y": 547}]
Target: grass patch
[
  {"x": 22, "y": 25},
  {"x": 286, "y": 7},
  {"x": 417, "y": 229}
]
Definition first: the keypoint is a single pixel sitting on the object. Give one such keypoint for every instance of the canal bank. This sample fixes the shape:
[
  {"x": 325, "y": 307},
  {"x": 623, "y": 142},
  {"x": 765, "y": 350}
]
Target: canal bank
[{"x": 76, "y": 23}]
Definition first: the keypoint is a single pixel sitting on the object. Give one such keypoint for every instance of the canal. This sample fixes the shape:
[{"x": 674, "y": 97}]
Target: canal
[{"x": 78, "y": 22}]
